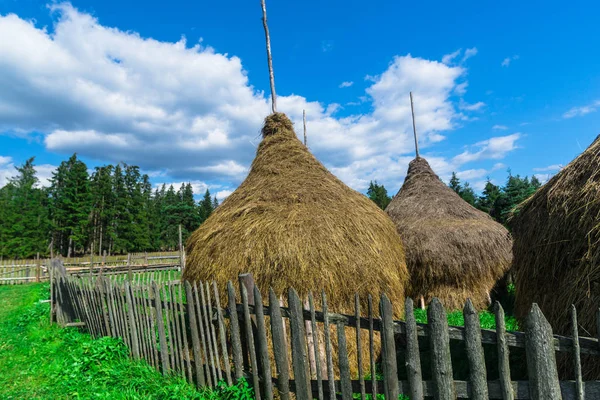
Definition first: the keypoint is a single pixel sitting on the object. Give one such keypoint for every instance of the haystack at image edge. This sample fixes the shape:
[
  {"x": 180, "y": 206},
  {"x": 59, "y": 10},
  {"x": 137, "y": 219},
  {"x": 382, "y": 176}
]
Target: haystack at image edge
[
  {"x": 453, "y": 250},
  {"x": 292, "y": 223},
  {"x": 557, "y": 249}
]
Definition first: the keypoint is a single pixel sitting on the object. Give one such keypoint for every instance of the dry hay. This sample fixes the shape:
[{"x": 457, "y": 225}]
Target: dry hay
[
  {"x": 292, "y": 223},
  {"x": 557, "y": 248},
  {"x": 453, "y": 250}
]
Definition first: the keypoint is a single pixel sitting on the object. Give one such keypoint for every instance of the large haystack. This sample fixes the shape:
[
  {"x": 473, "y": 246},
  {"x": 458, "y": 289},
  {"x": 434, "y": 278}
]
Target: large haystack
[
  {"x": 453, "y": 251},
  {"x": 557, "y": 247},
  {"x": 293, "y": 223}
]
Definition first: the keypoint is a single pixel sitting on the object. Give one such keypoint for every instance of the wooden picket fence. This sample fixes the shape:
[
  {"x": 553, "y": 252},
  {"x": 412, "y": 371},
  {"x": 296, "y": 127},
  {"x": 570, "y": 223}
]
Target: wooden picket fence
[
  {"x": 133, "y": 264},
  {"x": 184, "y": 329}
]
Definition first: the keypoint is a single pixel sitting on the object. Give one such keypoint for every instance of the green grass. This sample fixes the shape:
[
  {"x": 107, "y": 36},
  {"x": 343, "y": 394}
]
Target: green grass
[
  {"x": 43, "y": 361},
  {"x": 487, "y": 319}
]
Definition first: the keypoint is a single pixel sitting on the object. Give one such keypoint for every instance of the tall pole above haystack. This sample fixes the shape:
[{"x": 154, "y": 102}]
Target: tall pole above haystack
[
  {"x": 269, "y": 58},
  {"x": 304, "y": 122},
  {"x": 412, "y": 109}
]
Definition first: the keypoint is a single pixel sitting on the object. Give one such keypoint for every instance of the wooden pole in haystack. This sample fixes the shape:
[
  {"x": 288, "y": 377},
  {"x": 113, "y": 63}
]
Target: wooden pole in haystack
[
  {"x": 412, "y": 109},
  {"x": 269, "y": 58},
  {"x": 304, "y": 122}
]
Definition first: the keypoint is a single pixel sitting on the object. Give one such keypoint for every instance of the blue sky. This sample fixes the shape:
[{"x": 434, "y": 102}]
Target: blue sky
[{"x": 180, "y": 88}]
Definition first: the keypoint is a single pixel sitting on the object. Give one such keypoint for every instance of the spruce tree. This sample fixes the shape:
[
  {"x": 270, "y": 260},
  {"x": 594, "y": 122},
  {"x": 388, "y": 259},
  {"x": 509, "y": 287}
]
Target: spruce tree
[
  {"x": 488, "y": 197},
  {"x": 378, "y": 194},
  {"x": 205, "y": 207},
  {"x": 455, "y": 183}
]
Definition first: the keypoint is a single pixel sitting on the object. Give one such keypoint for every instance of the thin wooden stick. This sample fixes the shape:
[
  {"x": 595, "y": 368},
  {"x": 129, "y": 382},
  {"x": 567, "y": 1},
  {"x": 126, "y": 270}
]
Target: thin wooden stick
[
  {"x": 304, "y": 122},
  {"x": 412, "y": 109},
  {"x": 269, "y": 58}
]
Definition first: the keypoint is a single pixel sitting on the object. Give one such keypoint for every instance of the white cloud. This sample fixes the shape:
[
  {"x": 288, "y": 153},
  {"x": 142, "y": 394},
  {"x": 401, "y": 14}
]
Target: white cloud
[
  {"x": 469, "y": 53},
  {"x": 550, "y": 168},
  {"x": 583, "y": 110},
  {"x": 449, "y": 58},
  {"x": 472, "y": 173},
  {"x": 500, "y": 127},
  {"x": 223, "y": 194},
  {"x": 8, "y": 171},
  {"x": 191, "y": 113},
  {"x": 346, "y": 84},
  {"x": 494, "y": 148},
  {"x": 471, "y": 107},
  {"x": 506, "y": 62}
]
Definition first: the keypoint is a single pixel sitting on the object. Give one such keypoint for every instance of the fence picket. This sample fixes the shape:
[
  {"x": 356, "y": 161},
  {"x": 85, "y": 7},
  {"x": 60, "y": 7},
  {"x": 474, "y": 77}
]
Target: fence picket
[
  {"x": 477, "y": 372},
  {"x": 170, "y": 332},
  {"x": 213, "y": 334},
  {"x": 503, "y": 360},
  {"x": 186, "y": 348},
  {"x": 344, "y": 364},
  {"x": 580, "y": 390},
  {"x": 132, "y": 326},
  {"x": 194, "y": 333},
  {"x": 541, "y": 361},
  {"x": 263, "y": 347},
  {"x": 317, "y": 355},
  {"x": 205, "y": 307},
  {"x": 236, "y": 343},
  {"x": 223, "y": 334},
  {"x": 299, "y": 356},
  {"x": 389, "y": 364},
  {"x": 250, "y": 341},
  {"x": 160, "y": 324},
  {"x": 279, "y": 347},
  {"x": 209, "y": 372},
  {"x": 440, "y": 351},
  {"x": 372, "y": 348},
  {"x": 328, "y": 351},
  {"x": 413, "y": 358},
  {"x": 361, "y": 379}
]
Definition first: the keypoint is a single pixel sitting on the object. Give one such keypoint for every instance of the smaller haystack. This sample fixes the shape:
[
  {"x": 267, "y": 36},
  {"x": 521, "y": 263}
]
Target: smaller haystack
[
  {"x": 453, "y": 250},
  {"x": 557, "y": 248}
]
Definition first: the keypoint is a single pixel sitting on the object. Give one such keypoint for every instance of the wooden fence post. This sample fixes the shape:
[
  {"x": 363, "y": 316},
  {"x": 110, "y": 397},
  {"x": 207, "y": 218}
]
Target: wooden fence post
[
  {"x": 37, "y": 267},
  {"x": 475, "y": 354},
  {"x": 279, "y": 347},
  {"x": 263, "y": 346},
  {"x": 132, "y": 325},
  {"x": 250, "y": 340},
  {"x": 389, "y": 363},
  {"x": 440, "y": 351},
  {"x": 541, "y": 360},
  {"x": 413, "y": 358},
  {"x": 576, "y": 355},
  {"x": 299, "y": 356},
  {"x": 503, "y": 353},
  {"x": 236, "y": 342},
  {"x": 160, "y": 323}
]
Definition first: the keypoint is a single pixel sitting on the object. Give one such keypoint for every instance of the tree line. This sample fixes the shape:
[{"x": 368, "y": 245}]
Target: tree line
[
  {"x": 498, "y": 201},
  {"x": 113, "y": 209}
]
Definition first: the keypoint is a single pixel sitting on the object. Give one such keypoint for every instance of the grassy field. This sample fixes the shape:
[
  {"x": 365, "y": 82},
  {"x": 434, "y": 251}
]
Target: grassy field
[{"x": 43, "y": 361}]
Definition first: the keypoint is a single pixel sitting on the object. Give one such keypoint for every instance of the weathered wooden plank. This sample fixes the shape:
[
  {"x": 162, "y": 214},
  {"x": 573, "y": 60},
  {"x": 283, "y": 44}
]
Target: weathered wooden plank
[
  {"x": 150, "y": 318},
  {"x": 361, "y": 378},
  {"x": 138, "y": 313},
  {"x": 222, "y": 334},
  {"x": 263, "y": 346},
  {"x": 388, "y": 345},
  {"x": 160, "y": 324},
  {"x": 132, "y": 326},
  {"x": 344, "y": 364},
  {"x": 170, "y": 332},
  {"x": 478, "y": 374},
  {"x": 200, "y": 318},
  {"x": 280, "y": 349},
  {"x": 250, "y": 339},
  {"x": 194, "y": 334},
  {"x": 183, "y": 325},
  {"x": 101, "y": 293},
  {"x": 110, "y": 306},
  {"x": 177, "y": 339},
  {"x": 413, "y": 357},
  {"x": 299, "y": 356},
  {"x": 317, "y": 354},
  {"x": 328, "y": 350},
  {"x": 371, "y": 346},
  {"x": 541, "y": 360},
  {"x": 503, "y": 360},
  {"x": 440, "y": 351},
  {"x": 576, "y": 355},
  {"x": 206, "y": 313},
  {"x": 213, "y": 334}
]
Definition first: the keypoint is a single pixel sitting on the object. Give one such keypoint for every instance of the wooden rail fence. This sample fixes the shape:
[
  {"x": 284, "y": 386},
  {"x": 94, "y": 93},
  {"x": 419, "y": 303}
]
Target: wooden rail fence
[{"x": 184, "y": 329}]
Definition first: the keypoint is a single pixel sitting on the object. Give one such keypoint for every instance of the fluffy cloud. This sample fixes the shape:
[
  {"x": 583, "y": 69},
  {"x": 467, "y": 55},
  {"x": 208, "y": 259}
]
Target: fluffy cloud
[
  {"x": 189, "y": 113},
  {"x": 494, "y": 148},
  {"x": 506, "y": 62},
  {"x": 550, "y": 168},
  {"x": 583, "y": 110},
  {"x": 346, "y": 84},
  {"x": 8, "y": 171},
  {"x": 500, "y": 127}
]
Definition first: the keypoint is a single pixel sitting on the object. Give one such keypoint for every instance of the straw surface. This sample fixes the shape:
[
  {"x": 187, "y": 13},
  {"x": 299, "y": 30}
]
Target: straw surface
[
  {"x": 557, "y": 248},
  {"x": 453, "y": 251}
]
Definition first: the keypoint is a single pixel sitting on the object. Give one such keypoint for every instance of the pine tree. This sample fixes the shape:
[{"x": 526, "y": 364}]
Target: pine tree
[
  {"x": 467, "y": 194},
  {"x": 205, "y": 207},
  {"x": 215, "y": 203},
  {"x": 455, "y": 183},
  {"x": 378, "y": 194},
  {"x": 488, "y": 197}
]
